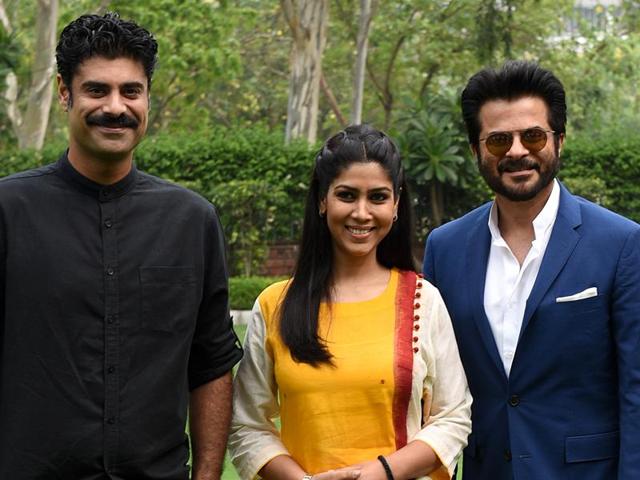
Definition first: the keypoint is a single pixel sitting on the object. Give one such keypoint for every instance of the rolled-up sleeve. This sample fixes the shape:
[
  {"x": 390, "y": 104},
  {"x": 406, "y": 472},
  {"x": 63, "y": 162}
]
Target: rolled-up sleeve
[
  {"x": 254, "y": 438},
  {"x": 215, "y": 348}
]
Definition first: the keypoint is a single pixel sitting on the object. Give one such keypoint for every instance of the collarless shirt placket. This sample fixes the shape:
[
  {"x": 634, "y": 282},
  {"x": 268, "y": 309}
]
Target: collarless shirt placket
[{"x": 108, "y": 210}]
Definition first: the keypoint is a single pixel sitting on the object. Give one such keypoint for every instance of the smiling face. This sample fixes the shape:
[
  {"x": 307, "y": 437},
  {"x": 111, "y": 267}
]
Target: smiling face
[
  {"x": 359, "y": 207},
  {"x": 519, "y": 174},
  {"x": 108, "y": 106}
]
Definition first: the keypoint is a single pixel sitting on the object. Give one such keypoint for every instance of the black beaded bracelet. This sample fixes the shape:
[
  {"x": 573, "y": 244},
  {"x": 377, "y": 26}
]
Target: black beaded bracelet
[{"x": 387, "y": 468}]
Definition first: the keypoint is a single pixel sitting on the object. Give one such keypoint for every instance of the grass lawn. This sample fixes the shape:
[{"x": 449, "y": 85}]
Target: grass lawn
[{"x": 229, "y": 472}]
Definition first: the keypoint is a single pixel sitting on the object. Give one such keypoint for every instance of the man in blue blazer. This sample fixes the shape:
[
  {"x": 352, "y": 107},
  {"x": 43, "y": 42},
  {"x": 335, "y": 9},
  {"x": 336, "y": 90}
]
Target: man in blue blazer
[{"x": 543, "y": 289}]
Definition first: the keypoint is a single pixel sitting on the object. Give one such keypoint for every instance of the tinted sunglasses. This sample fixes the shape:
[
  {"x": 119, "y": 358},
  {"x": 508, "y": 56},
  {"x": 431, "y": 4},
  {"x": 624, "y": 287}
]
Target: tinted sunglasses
[{"x": 533, "y": 139}]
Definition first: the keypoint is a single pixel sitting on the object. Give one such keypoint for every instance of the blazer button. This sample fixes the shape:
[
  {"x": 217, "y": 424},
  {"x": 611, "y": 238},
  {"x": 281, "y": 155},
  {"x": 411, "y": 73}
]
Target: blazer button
[
  {"x": 514, "y": 401},
  {"x": 507, "y": 455}
]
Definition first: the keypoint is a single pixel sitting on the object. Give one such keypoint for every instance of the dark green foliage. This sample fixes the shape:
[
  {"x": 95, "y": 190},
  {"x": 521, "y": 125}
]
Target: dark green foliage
[
  {"x": 258, "y": 184},
  {"x": 205, "y": 160},
  {"x": 443, "y": 177},
  {"x": 13, "y": 161},
  {"x": 256, "y": 181},
  {"x": 605, "y": 168},
  {"x": 243, "y": 291},
  {"x": 248, "y": 211}
]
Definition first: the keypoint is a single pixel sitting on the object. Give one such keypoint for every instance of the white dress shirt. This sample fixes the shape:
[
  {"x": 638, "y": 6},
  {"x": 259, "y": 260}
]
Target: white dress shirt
[{"x": 507, "y": 284}]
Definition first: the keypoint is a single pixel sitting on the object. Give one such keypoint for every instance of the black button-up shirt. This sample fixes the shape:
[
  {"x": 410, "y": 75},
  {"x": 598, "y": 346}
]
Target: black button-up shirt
[{"x": 113, "y": 305}]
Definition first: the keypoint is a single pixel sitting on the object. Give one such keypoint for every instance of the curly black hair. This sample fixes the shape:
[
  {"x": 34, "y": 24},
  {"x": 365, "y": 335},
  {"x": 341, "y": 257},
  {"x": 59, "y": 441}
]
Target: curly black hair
[{"x": 104, "y": 36}]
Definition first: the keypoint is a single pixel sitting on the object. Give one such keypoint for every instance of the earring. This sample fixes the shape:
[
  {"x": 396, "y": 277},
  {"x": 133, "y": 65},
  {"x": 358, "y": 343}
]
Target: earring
[
  {"x": 321, "y": 213},
  {"x": 395, "y": 217}
]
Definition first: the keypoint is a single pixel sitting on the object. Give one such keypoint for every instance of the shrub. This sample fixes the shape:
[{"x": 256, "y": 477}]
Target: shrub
[
  {"x": 13, "y": 161},
  {"x": 248, "y": 210},
  {"x": 239, "y": 168},
  {"x": 258, "y": 182},
  {"x": 611, "y": 159},
  {"x": 243, "y": 291},
  {"x": 204, "y": 162}
]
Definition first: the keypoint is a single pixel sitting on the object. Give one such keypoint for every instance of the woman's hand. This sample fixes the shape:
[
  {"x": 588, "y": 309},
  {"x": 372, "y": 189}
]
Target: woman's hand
[{"x": 346, "y": 473}]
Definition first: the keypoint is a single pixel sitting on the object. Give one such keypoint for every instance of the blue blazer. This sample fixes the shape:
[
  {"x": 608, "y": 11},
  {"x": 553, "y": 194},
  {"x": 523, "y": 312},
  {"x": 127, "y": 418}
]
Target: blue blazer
[{"x": 570, "y": 408}]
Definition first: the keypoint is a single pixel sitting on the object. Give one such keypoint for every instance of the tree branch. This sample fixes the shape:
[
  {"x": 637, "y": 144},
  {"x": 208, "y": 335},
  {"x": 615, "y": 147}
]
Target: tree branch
[
  {"x": 395, "y": 52},
  {"x": 162, "y": 104},
  {"x": 293, "y": 20},
  {"x": 326, "y": 89},
  {"x": 4, "y": 19},
  {"x": 384, "y": 88}
]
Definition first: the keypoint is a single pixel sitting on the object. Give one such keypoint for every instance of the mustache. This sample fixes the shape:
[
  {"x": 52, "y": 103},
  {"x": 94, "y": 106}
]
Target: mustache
[
  {"x": 517, "y": 164},
  {"x": 109, "y": 121}
]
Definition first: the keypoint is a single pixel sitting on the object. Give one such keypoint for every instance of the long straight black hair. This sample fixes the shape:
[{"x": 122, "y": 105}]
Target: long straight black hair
[{"x": 311, "y": 282}]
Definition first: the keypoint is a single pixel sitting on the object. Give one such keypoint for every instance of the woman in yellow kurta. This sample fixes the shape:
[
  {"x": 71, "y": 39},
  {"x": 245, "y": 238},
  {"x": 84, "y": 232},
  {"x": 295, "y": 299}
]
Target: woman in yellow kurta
[{"x": 356, "y": 352}]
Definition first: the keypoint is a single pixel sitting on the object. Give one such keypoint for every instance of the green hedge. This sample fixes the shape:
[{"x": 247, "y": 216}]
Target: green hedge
[
  {"x": 605, "y": 168},
  {"x": 203, "y": 161},
  {"x": 258, "y": 182},
  {"x": 13, "y": 161},
  {"x": 243, "y": 291}
]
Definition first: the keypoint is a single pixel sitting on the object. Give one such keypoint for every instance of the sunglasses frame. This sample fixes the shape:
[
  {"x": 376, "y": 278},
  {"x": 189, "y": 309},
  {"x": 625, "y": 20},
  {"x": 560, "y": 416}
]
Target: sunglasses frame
[{"x": 528, "y": 146}]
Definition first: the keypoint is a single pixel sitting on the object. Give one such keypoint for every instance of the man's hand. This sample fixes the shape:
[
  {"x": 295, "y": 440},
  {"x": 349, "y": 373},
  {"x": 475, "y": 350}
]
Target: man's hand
[
  {"x": 209, "y": 418},
  {"x": 371, "y": 470}
]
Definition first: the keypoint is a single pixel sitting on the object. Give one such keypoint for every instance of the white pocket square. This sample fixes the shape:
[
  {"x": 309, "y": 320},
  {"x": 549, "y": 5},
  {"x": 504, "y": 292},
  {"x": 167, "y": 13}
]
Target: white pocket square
[{"x": 588, "y": 293}]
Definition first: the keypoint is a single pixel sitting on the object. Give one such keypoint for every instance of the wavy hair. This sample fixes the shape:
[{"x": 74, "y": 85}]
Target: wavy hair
[{"x": 104, "y": 36}]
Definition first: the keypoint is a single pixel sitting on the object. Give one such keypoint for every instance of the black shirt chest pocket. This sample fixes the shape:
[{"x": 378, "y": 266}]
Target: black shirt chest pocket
[{"x": 169, "y": 298}]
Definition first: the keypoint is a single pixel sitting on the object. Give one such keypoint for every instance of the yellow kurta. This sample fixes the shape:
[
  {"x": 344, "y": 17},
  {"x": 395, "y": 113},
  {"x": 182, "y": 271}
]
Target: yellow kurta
[
  {"x": 397, "y": 378},
  {"x": 338, "y": 416}
]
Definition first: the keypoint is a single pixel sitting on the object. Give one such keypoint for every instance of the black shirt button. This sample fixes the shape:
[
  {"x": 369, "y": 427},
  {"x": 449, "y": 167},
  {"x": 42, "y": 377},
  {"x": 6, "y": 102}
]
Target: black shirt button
[
  {"x": 108, "y": 223},
  {"x": 110, "y": 271},
  {"x": 514, "y": 401},
  {"x": 111, "y": 369},
  {"x": 507, "y": 455},
  {"x": 109, "y": 319},
  {"x": 111, "y": 420}
]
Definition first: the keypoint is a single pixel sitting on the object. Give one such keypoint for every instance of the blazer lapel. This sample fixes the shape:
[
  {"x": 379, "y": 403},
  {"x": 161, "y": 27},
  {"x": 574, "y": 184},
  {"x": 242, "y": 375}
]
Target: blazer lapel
[
  {"x": 563, "y": 241},
  {"x": 477, "y": 252}
]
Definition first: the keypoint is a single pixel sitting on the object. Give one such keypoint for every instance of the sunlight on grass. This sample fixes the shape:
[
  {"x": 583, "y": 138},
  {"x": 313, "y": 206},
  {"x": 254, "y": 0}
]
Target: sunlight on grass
[{"x": 229, "y": 472}]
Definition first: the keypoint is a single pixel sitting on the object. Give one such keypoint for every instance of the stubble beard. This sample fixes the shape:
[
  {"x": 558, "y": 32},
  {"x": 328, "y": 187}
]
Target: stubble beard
[{"x": 547, "y": 171}]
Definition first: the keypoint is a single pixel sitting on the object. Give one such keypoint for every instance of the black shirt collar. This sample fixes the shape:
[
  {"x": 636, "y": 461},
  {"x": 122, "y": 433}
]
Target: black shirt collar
[{"x": 104, "y": 193}]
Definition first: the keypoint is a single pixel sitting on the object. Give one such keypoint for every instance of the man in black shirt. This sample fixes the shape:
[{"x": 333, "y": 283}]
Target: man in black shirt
[{"x": 113, "y": 290}]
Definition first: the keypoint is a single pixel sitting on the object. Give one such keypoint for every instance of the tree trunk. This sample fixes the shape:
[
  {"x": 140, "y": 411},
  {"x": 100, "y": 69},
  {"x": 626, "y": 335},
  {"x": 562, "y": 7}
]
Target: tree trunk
[
  {"x": 307, "y": 20},
  {"x": 437, "y": 207},
  {"x": 367, "y": 8},
  {"x": 31, "y": 127}
]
